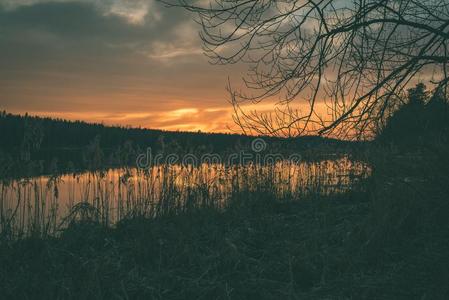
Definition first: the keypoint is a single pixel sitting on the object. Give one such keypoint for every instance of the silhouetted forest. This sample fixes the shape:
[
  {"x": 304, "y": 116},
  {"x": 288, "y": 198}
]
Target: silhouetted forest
[
  {"x": 35, "y": 145},
  {"x": 421, "y": 121}
]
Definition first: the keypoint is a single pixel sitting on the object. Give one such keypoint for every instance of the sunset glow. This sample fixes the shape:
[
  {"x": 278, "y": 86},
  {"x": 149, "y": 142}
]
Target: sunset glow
[
  {"x": 133, "y": 63},
  {"x": 116, "y": 62}
]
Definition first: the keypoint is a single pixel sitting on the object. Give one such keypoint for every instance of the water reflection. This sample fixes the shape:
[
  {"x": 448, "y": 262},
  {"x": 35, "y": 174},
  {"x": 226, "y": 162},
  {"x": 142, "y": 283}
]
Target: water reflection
[{"x": 48, "y": 203}]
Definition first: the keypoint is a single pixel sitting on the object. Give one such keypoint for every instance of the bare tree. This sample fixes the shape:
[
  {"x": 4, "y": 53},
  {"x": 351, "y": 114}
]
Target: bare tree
[{"x": 355, "y": 55}]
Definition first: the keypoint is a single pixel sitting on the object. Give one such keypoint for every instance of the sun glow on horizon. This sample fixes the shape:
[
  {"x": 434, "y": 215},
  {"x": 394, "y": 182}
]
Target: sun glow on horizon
[{"x": 216, "y": 119}]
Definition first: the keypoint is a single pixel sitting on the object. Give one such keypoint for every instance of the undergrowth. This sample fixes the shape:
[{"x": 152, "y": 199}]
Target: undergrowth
[{"x": 387, "y": 240}]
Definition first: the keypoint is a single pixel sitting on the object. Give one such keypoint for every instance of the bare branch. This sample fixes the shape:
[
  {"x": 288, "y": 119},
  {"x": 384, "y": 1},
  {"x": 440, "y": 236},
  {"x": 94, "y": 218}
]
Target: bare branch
[{"x": 355, "y": 56}]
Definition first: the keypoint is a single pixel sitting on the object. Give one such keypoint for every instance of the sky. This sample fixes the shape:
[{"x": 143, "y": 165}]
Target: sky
[{"x": 120, "y": 62}]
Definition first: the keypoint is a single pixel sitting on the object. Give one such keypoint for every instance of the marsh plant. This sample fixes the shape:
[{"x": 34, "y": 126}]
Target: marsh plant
[{"x": 47, "y": 204}]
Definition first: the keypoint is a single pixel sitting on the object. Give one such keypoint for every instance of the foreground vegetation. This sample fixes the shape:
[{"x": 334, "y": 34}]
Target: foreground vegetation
[{"x": 386, "y": 239}]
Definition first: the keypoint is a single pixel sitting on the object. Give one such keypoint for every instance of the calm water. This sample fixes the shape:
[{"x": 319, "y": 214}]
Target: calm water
[{"x": 47, "y": 204}]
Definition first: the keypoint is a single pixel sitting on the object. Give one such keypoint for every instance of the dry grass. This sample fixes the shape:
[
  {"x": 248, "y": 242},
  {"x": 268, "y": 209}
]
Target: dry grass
[
  {"x": 386, "y": 238},
  {"x": 45, "y": 205}
]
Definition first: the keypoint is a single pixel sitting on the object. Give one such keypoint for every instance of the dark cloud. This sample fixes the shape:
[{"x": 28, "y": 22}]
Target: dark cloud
[
  {"x": 71, "y": 20},
  {"x": 75, "y": 57},
  {"x": 76, "y": 26}
]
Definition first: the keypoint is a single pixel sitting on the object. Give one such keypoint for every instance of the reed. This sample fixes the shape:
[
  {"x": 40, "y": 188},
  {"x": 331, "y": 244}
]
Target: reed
[
  {"x": 46, "y": 205},
  {"x": 330, "y": 230}
]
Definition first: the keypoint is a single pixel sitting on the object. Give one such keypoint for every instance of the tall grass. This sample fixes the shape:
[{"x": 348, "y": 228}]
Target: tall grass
[
  {"x": 43, "y": 206},
  {"x": 387, "y": 241}
]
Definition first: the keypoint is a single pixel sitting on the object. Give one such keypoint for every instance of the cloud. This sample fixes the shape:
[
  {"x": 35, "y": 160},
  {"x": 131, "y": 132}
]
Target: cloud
[
  {"x": 88, "y": 21},
  {"x": 78, "y": 37},
  {"x": 134, "y": 11},
  {"x": 118, "y": 61}
]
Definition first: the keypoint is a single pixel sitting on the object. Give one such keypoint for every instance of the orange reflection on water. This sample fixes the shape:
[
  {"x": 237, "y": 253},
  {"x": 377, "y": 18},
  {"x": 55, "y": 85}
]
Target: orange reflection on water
[{"x": 46, "y": 204}]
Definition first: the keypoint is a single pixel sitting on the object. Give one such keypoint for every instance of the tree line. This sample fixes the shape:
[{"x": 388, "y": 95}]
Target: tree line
[{"x": 34, "y": 145}]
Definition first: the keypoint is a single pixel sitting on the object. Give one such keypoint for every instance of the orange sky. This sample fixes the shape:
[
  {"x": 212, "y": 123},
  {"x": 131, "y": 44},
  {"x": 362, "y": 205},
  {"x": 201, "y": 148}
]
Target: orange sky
[{"x": 117, "y": 62}]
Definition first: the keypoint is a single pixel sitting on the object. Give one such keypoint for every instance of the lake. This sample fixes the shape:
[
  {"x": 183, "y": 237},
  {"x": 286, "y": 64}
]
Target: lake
[{"x": 47, "y": 204}]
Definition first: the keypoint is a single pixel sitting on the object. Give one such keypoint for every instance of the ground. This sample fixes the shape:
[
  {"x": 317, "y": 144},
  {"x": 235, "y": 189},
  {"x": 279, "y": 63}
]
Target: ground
[{"x": 387, "y": 239}]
